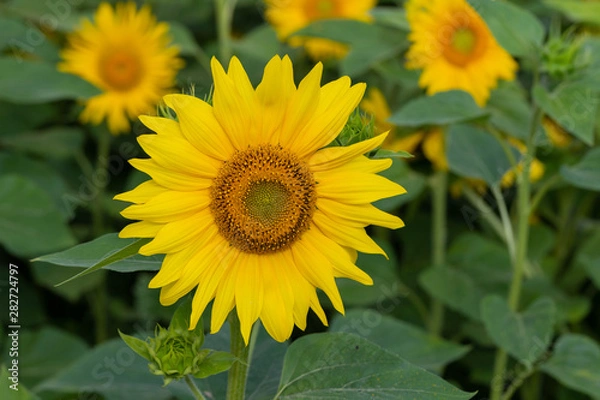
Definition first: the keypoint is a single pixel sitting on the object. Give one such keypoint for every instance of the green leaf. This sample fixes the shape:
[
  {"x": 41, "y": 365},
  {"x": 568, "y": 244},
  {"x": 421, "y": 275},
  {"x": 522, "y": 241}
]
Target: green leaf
[
  {"x": 525, "y": 335},
  {"x": 19, "y": 39},
  {"x": 30, "y": 223},
  {"x": 183, "y": 39},
  {"x": 43, "y": 352},
  {"x": 576, "y": 10},
  {"x": 573, "y": 105},
  {"x": 112, "y": 256},
  {"x": 576, "y": 364},
  {"x": 109, "y": 252},
  {"x": 28, "y": 82},
  {"x": 390, "y": 16},
  {"x": 348, "y": 367},
  {"x": 39, "y": 172},
  {"x": 49, "y": 275},
  {"x": 516, "y": 30},
  {"x": 454, "y": 288},
  {"x": 369, "y": 43},
  {"x": 474, "y": 153},
  {"x": 60, "y": 143},
  {"x": 586, "y": 173},
  {"x": 215, "y": 363},
  {"x": 440, "y": 109},
  {"x": 138, "y": 345},
  {"x": 410, "y": 342},
  {"x": 11, "y": 388},
  {"x": 509, "y": 110}
]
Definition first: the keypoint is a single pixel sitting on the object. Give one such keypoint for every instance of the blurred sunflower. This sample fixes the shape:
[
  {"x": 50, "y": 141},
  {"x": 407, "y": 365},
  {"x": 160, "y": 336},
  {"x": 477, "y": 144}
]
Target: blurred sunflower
[
  {"x": 455, "y": 49},
  {"x": 248, "y": 204},
  {"x": 289, "y": 16},
  {"x": 127, "y": 55}
]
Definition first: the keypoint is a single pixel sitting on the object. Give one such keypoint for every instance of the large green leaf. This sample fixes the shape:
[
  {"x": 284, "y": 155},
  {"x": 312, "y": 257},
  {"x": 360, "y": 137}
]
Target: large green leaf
[
  {"x": 573, "y": 106},
  {"x": 30, "y": 223},
  {"x": 109, "y": 252},
  {"x": 60, "y": 142},
  {"x": 576, "y": 364},
  {"x": 517, "y": 30},
  {"x": 474, "y": 153},
  {"x": 29, "y": 82},
  {"x": 586, "y": 173},
  {"x": 369, "y": 43},
  {"x": 440, "y": 109},
  {"x": 525, "y": 335},
  {"x": 390, "y": 16},
  {"x": 454, "y": 288},
  {"x": 19, "y": 39},
  {"x": 49, "y": 276},
  {"x": 578, "y": 11},
  {"x": 509, "y": 110},
  {"x": 410, "y": 342},
  {"x": 347, "y": 367}
]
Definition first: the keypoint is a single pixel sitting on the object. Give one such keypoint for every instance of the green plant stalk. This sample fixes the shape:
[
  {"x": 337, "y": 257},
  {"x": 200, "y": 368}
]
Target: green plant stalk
[
  {"x": 236, "y": 380},
  {"x": 519, "y": 265},
  {"x": 506, "y": 223},
  {"x": 193, "y": 388},
  {"x": 439, "y": 187},
  {"x": 485, "y": 211},
  {"x": 224, "y": 14}
]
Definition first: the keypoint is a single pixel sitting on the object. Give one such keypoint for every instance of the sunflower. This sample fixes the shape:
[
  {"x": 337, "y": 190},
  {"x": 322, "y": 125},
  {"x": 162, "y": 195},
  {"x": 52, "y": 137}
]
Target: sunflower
[
  {"x": 127, "y": 55},
  {"x": 556, "y": 134},
  {"x": 455, "y": 49},
  {"x": 250, "y": 206},
  {"x": 289, "y": 16}
]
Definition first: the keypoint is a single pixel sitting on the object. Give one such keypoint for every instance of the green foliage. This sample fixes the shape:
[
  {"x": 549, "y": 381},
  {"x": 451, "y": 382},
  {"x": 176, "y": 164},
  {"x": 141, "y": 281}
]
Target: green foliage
[
  {"x": 586, "y": 173},
  {"x": 345, "y": 366}
]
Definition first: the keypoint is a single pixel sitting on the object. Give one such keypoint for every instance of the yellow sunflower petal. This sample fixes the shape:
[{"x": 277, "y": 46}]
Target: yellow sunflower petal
[
  {"x": 333, "y": 157},
  {"x": 356, "y": 188},
  {"x": 168, "y": 206},
  {"x": 171, "y": 179}
]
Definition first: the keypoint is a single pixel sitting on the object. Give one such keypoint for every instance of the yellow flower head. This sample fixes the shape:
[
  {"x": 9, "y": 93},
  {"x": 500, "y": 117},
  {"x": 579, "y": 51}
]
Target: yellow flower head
[
  {"x": 289, "y": 16},
  {"x": 248, "y": 204},
  {"x": 127, "y": 55},
  {"x": 455, "y": 49}
]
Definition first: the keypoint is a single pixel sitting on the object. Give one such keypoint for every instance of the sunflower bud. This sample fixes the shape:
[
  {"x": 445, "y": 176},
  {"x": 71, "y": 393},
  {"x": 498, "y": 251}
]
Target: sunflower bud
[
  {"x": 176, "y": 352},
  {"x": 356, "y": 130},
  {"x": 560, "y": 55}
]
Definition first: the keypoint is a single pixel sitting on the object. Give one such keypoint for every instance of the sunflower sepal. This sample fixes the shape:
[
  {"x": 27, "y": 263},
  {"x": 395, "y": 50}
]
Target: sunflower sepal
[
  {"x": 357, "y": 129},
  {"x": 176, "y": 352}
]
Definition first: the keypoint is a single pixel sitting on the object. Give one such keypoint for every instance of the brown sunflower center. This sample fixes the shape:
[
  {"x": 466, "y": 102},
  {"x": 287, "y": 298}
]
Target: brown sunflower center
[
  {"x": 263, "y": 199},
  {"x": 465, "y": 43},
  {"x": 120, "y": 70}
]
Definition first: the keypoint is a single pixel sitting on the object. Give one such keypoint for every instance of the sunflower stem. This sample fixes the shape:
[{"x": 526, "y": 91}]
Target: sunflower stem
[
  {"x": 236, "y": 380},
  {"x": 193, "y": 388},
  {"x": 520, "y": 260},
  {"x": 439, "y": 188},
  {"x": 224, "y": 14}
]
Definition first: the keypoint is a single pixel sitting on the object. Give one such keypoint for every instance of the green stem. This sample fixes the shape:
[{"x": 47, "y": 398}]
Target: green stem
[
  {"x": 236, "y": 380},
  {"x": 516, "y": 383},
  {"x": 224, "y": 13},
  {"x": 520, "y": 260},
  {"x": 439, "y": 187},
  {"x": 506, "y": 223},
  {"x": 485, "y": 212},
  {"x": 193, "y": 388}
]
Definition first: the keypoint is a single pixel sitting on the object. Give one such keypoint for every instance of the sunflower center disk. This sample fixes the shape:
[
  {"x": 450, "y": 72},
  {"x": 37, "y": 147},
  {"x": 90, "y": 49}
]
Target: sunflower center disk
[
  {"x": 263, "y": 199},
  {"x": 464, "y": 45},
  {"x": 120, "y": 70}
]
